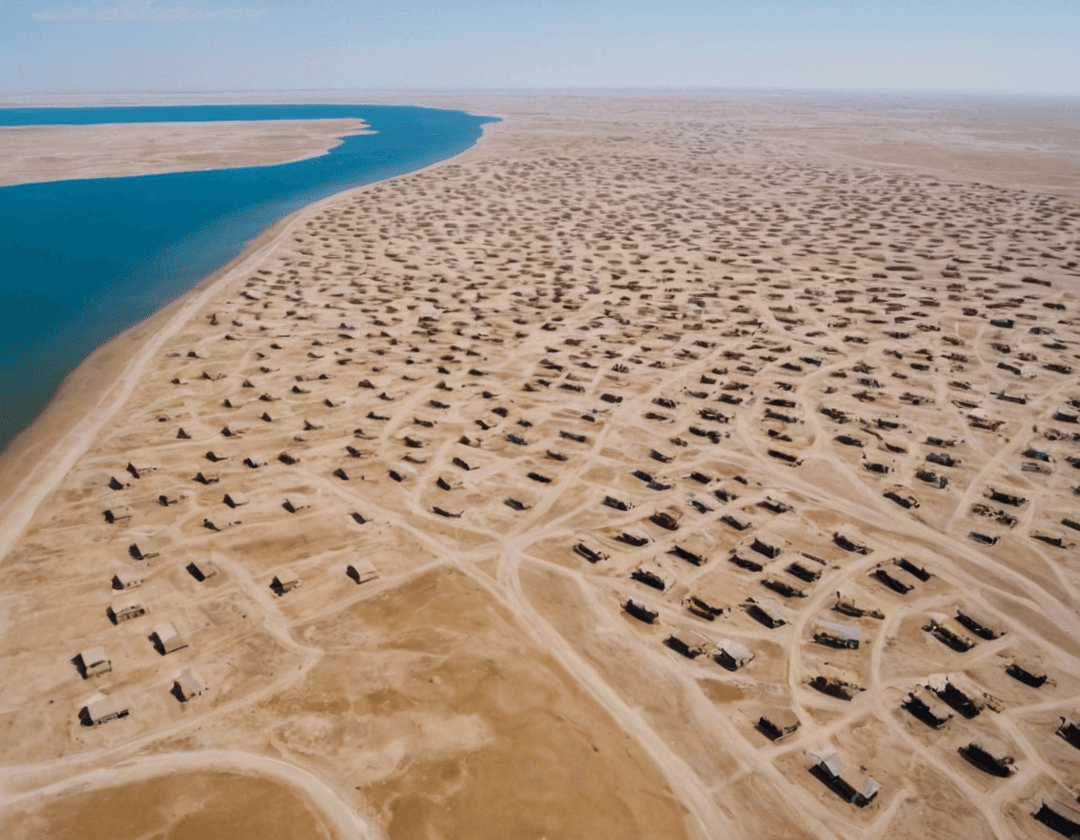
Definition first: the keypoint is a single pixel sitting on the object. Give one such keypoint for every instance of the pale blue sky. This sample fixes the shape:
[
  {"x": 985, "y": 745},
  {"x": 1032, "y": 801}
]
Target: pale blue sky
[{"x": 198, "y": 45}]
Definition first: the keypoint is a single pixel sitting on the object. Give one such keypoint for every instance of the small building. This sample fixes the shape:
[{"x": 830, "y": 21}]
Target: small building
[
  {"x": 235, "y": 500},
  {"x": 126, "y": 607},
  {"x": 285, "y": 581},
  {"x": 118, "y": 514},
  {"x": 1062, "y": 818},
  {"x": 201, "y": 569},
  {"x": 169, "y": 639},
  {"x": 95, "y": 662},
  {"x": 732, "y": 655},
  {"x": 777, "y": 724},
  {"x": 127, "y": 579},
  {"x": 102, "y": 707},
  {"x": 145, "y": 547},
  {"x": 829, "y": 769},
  {"x": 359, "y": 577},
  {"x": 187, "y": 685},
  {"x": 838, "y": 636}
]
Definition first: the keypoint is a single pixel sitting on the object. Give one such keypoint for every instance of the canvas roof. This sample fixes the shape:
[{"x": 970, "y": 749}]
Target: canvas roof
[
  {"x": 102, "y": 705},
  {"x": 92, "y": 656},
  {"x": 736, "y": 650},
  {"x": 829, "y": 758},
  {"x": 843, "y": 631},
  {"x": 167, "y": 632},
  {"x": 189, "y": 682},
  {"x": 125, "y": 602}
]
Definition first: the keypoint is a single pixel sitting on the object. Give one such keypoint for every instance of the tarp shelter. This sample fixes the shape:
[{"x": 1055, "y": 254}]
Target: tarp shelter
[
  {"x": 95, "y": 662},
  {"x": 285, "y": 581},
  {"x": 127, "y": 579},
  {"x": 188, "y": 685},
  {"x": 127, "y": 607},
  {"x": 102, "y": 707},
  {"x": 169, "y": 638},
  {"x": 736, "y": 652}
]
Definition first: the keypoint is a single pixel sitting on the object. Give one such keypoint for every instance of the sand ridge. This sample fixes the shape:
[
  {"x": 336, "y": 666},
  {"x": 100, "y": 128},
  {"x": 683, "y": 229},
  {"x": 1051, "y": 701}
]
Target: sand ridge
[
  {"x": 34, "y": 154},
  {"x": 642, "y": 361}
]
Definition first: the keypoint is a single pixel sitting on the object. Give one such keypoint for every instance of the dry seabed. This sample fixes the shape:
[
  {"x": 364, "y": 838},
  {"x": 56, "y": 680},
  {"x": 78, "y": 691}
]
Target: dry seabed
[{"x": 637, "y": 473}]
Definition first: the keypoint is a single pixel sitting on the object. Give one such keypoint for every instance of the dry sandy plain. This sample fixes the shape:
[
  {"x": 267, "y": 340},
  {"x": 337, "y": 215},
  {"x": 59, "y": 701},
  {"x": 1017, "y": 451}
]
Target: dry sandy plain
[
  {"x": 35, "y": 153},
  {"x": 701, "y": 337}
]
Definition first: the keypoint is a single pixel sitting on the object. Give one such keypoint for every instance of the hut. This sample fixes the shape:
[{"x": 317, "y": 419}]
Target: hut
[
  {"x": 838, "y": 636},
  {"x": 640, "y": 611},
  {"x": 101, "y": 708},
  {"x": 1017, "y": 672},
  {"x": 1064, "y": 819},
  {"x": 187, "y": 685},
  {"x": 1070, "y": 732},
  {"x": 952, "y": 696},
  {"x": 201, "y": 569},
  {"x": 144, "y": 548},
  {"x": 918, "y": 709},
  {"x": 778, "y": 724},
  {"x": 690, "y": 651},
  {"x": 127, "y": 579},
  {"x": 732, "y": 655},
  {"x": 285, "y": 581},
  {"x": 235, "y": 500},
  {"x": 948, "y": 637},
  {"x": 979, "y": 758},
  {"x": 359, "y": 577},
  {"x": 976, "y": 627},
  {"x": 829, "y": 770},
  {"x": 167, "y": 639},
  {"x": 589, "y": 554},
  {"x": 891, "y": 582},
  {"x": 94, "y": 662},
  {"x": 125, "y": 608},
  {"x": 769, "y": 616},
  {"x": 117, "y": 514}
]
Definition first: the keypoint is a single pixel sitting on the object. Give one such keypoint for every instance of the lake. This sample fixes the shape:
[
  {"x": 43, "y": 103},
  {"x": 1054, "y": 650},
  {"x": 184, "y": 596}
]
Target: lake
[{"x": 82, "y": 261}]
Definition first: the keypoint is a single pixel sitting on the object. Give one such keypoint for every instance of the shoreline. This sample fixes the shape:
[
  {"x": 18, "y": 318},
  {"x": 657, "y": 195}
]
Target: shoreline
[
  {"x": 105, "y": 150},
  {"x": 39, "y": 450}
]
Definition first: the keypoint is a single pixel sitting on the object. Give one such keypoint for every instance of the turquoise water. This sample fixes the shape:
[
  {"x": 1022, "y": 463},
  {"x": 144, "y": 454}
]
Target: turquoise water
[{"x": 81, "y": 261}]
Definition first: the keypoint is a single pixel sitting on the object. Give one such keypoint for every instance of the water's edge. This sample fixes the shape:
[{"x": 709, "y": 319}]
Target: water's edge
[
  {"x": 69, "y": 291},
  {"x": 54, "y": 439}
]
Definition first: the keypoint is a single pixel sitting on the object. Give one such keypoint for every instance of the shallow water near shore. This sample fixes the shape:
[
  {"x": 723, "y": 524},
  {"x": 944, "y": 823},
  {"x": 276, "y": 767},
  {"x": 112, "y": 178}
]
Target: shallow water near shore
[{"x": 83, "y": 260}]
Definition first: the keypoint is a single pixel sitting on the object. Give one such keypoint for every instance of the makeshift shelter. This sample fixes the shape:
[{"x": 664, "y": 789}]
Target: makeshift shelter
[
  {"x": 187, "y": 685},
  {"x": 838, "y": 636},
  {"x": 732, "y": 655},
  {"x": 101, "y": 708},
  {"x": 127, "y": 579},
  {"x": 829, "y": 769},
  {"x": 285, "y": 581},
  {"x": 95, "y": 662},
  {"x": 777, "y": 724},
  {"x": 126, "y": 607},
  {"x": 359, "y": 577},
  {"x": 201, "y": 569},
  {"x": 169, "y": 639}
]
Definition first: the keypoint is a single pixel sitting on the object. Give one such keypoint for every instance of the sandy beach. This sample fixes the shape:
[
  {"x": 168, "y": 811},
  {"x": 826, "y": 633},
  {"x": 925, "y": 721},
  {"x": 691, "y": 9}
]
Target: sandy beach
[
  {"x": 684, "y": 466},
  {"x": 35, "y": 153}
]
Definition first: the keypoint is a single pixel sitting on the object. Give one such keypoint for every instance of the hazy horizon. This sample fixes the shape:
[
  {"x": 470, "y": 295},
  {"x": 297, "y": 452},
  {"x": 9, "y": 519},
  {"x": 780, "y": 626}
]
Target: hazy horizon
[{"x": 1011, "y": 47}]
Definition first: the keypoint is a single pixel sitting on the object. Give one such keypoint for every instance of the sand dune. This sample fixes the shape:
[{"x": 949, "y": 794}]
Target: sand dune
[{"x": 540, "y": 489}]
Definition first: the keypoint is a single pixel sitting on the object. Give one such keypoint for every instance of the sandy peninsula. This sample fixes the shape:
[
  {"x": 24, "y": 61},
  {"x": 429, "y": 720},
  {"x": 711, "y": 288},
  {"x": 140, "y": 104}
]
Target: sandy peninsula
[
  {"x": 654, "y": 469},
  {"x": 37, "y": 153}
]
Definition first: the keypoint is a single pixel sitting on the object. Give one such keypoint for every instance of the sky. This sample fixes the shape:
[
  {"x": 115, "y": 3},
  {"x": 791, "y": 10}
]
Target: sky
[{"x": 1007, "y": 46}]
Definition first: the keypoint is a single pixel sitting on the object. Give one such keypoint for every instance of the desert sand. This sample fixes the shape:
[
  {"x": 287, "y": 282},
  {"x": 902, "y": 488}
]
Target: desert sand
[
  {"x": 516, "y": 497},
  {"x": 63, "y": 152}
]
